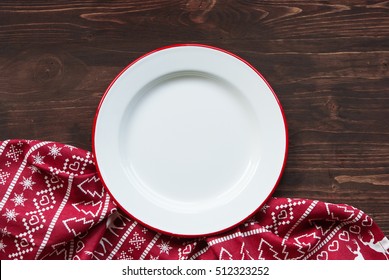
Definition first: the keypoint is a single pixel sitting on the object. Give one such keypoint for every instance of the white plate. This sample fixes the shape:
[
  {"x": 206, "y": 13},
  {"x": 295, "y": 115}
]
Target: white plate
[{"x": 190, "y": 140}]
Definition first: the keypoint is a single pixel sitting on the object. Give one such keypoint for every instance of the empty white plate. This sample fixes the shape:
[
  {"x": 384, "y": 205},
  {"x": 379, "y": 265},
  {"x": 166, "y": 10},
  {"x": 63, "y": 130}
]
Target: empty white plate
[{"x": 190, "y": 140}]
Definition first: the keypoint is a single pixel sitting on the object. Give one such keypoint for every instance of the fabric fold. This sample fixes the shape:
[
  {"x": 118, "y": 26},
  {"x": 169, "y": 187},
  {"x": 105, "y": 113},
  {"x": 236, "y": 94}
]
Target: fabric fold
[{"x": 54, "y": 206}]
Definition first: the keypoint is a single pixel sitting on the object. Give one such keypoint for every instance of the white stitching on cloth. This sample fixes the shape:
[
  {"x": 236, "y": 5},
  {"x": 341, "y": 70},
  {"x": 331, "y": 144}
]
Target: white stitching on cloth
[
  {"x": 56, "y": 216},
  {"x": 20, "y": 170}
]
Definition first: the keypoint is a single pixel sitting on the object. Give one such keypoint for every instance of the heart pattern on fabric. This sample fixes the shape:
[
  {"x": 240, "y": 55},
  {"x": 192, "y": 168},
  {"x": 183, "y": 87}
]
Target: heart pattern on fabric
[
  {"x": 282, "y": 215},
  {"x": 367, "y": 222},
  {"x": 334, "y": 246},
  {"x": 322, "y": 256},
  {"x": 80, "y": 246},
  {"x": 74, "y": 166},
  {"x": 33, "y": 220},
  {"x": 44, "y": 200},
  {"x": 187, "y": 249},
  {"x": 54, "y": 179},
  {"x": 24, "y": 242},
  {"x": 355, "y": 229},
  {"x": 344, "y": 236}
]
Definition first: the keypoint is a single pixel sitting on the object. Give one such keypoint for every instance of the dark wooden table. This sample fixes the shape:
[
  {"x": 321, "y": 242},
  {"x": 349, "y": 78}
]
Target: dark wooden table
[{"x": 328, "y": 62}]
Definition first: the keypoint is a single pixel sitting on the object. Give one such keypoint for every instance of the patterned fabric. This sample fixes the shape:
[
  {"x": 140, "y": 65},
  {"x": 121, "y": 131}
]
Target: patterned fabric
[{"x": 53, "y": 206}]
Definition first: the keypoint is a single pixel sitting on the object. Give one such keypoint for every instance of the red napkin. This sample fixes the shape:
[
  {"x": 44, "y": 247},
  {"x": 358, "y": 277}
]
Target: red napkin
[{"x": 53, "y": 206}]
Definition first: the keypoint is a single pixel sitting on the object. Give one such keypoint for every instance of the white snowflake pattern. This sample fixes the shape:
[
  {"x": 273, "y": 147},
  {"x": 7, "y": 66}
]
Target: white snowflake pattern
[
  {"x": 10, "y": 215},
  {"x": 3, "y": 177},
  {"x": 14, "y": 153},
  {"x": 55, "y": 151},
  {"x": 124, "y": 256},
  {"x": 164, "y": 247},
  {"x": 4, "y": 232},
  {"x": 2, "y": 245},
  {"x": 27, "y": 183},
  {"x": 34, "y": 169},
  {"x": 137, "y": 241},
  {"x": 19, "y": 199},
  {"x": 154, "y": 258},
  {"x": 38, "y": 159}
]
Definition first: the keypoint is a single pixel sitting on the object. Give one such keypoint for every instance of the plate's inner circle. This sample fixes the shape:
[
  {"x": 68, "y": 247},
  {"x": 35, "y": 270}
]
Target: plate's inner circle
[{"x": 189, "y": 138}]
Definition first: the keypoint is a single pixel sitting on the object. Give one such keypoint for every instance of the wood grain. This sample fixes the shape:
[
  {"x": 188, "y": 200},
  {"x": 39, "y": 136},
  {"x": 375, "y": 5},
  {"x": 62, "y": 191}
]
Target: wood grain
[{"x": 328, "y": 62}]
